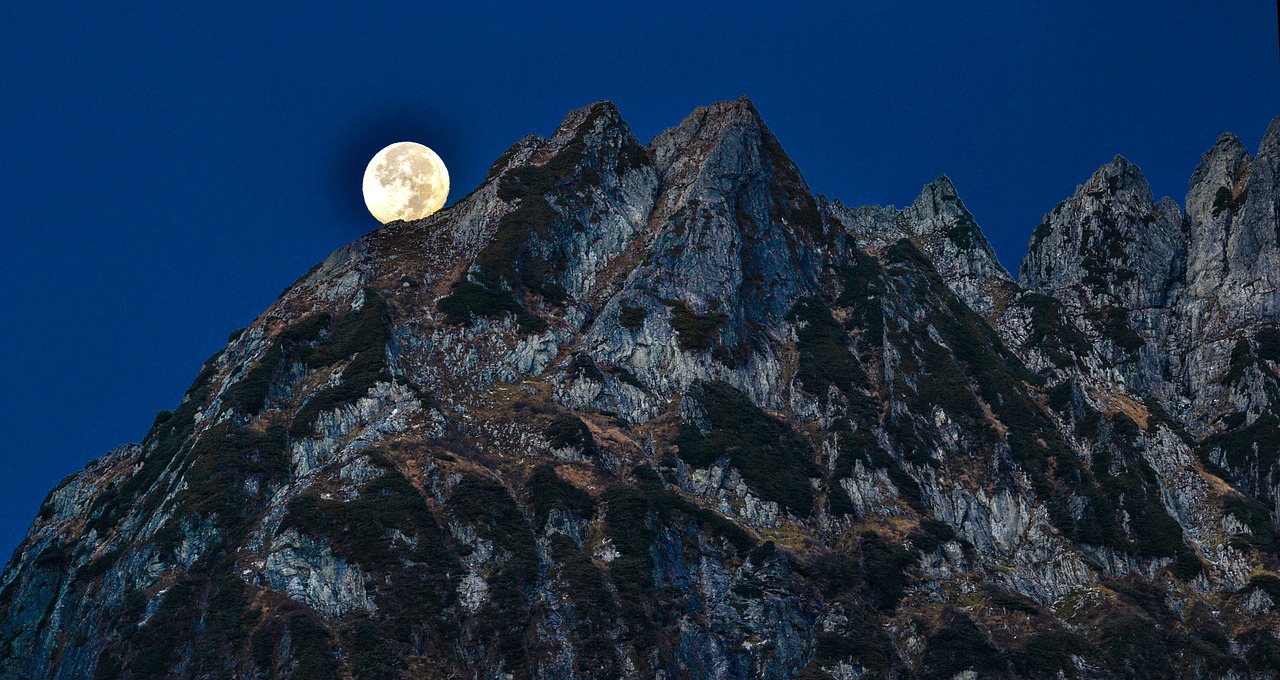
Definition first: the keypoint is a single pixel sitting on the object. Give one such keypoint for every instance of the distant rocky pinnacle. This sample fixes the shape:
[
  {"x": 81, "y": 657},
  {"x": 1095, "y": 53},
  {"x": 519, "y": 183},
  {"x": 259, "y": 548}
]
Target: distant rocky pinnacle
[{"x": 660, "y": 411}]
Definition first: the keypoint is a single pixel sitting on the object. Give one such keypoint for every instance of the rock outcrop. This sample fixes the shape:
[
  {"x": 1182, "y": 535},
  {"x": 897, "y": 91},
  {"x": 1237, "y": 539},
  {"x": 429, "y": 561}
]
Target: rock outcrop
[
  {"x": 658, "y": 410},
  {"x": 1185, "y": 306}
]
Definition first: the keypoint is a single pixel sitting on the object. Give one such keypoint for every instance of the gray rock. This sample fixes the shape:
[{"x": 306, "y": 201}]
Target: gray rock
[{"x": 914, "y": 440}]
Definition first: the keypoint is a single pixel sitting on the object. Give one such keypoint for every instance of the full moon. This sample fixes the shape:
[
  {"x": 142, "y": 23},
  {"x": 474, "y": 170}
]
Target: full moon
[{"x": 405, "y": 181}]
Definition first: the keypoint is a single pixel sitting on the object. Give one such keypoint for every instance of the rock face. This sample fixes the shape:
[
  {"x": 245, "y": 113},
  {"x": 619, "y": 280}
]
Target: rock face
[
  {"x": 1185, "y": 306},
  {"x": 660, "y": 411}
]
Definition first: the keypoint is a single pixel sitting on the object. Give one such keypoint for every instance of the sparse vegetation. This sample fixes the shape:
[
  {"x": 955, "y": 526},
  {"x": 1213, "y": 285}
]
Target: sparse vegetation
[
  {"x": 887, "y": 570},
  {"x": 633, "y": 514},
  {"x": 249, "y": 393},
  {"x": 360, "y": 338},
  {"x": 959, "y": 646},
  {"x": 1132, "y": 646},
  {"x": 1115, "y": 327},
  {"x": 387, "y": 530},
  {"x": 1221, "y": 201},
  {"x": 965, "y": 233},
  {"x": 1248, "y": 448},
  {"x": 312, "y": 648},
  {"x": 594, "y": 607},
  {"x": 1267, "y": 583},
  {"x": 1255, "y": 515},
  {"x": 1041, "y": 233},
  {"x": 930, "y": 534},
  {"x": 484, "y": 505},
  {"x": 861, "y": 640},
  {"x": 168, "y": 436},
  {"x": 863, "y": 287},
  {"x": 516, "y": 260},
  {"x": 176, "y": 612},
  {"x": 825, "y": 357},
  {"x": 547, "y": 492},
  {"x": 631, "y": 317},
  {"x": 583, "y": 366},
  {"x": 694, "y": 332},
  {"x": 360, "y": 529},
  {"x": 216, "y": 470},
  {"x": 775, "y": 462},
  {"x": 1268, "y": 343},
  {"x": 1052, "y": 333},
  {"x": 792, "y": 203},
  {"x": 1048, "y": 654},
  {"x": 568, "y": 431},
  {"x": 468, "y": 298},
  {"x": 1263, "y": 655}
]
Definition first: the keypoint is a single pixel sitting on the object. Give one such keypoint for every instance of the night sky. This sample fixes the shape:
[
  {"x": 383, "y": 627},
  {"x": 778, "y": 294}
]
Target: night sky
[{"x": 168, "y": 171}]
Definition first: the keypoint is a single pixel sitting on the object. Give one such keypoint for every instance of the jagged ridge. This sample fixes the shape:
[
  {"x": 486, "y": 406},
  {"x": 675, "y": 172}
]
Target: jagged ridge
[{"x": 633, "y": 409}]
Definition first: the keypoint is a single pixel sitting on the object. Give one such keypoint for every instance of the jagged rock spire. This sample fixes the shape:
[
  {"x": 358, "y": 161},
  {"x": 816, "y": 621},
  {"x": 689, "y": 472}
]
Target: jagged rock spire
[
  {"x": 1109, "y": 244},
  {"x": 939, "y": 223},
  {"x": 659, "y": 411}
]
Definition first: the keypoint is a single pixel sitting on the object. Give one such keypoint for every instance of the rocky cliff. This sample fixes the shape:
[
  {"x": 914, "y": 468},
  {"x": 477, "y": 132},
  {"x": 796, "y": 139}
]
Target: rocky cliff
[{"x": 661, "y": 411}]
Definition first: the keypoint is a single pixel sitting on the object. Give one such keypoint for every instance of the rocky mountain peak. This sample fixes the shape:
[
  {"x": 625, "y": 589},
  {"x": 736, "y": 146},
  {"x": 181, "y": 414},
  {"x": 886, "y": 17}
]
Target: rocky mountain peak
[
  {"x": 727, "y": 181},
  {"x": 591, "y": 135},
  {"x": 1214, "y": 197},
  {"x": 937, "y": 207},
  {"x": 938, "y": 213},
  {"x": 1223, "y": 170},
  {"x": 659, "y": 411},
  {"x": 603, "y": 113},
  {"x": 1230, "y": 297},
  {"x": 1271, "y": 138},
  {"x": 708, "y": 122},
  {"x": 1233, "y": 216},
  {"x": 727, "y": 140},
  {"x": 1107, "y": 245},
  {"x": 734, "y": 238},
  {"x": 1118, "y": 177},
  {"x": 939, "y": 224},
  {"x": 1228, "y": 146},
  {"x": 950, "y": 235}
]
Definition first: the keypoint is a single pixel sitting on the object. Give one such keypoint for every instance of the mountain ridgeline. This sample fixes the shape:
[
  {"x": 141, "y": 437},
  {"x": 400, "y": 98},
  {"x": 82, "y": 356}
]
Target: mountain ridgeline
[{"x": 632, "y": 411}]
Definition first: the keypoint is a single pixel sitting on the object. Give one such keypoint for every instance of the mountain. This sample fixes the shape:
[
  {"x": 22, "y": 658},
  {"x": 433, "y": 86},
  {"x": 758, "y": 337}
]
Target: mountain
[{"x": 661, "y": 411}]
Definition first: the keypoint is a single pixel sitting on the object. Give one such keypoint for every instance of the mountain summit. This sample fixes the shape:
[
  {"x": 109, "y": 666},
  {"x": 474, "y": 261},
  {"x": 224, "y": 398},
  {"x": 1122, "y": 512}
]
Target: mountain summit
[{"x": 659, "y": 410}]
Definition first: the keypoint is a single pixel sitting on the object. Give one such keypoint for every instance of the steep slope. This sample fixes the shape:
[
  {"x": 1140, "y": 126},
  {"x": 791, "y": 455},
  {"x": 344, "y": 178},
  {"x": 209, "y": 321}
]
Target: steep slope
[
  {"x": 938, "y": 223},
  {"x": 1186, "y": 309},
  {"x": 1111, "y": 255},
  {"x": 632, "y": 410}
]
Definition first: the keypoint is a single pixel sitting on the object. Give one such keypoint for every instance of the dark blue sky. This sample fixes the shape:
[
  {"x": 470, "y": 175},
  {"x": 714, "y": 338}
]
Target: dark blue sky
[{"x": 168, "y": 171}]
